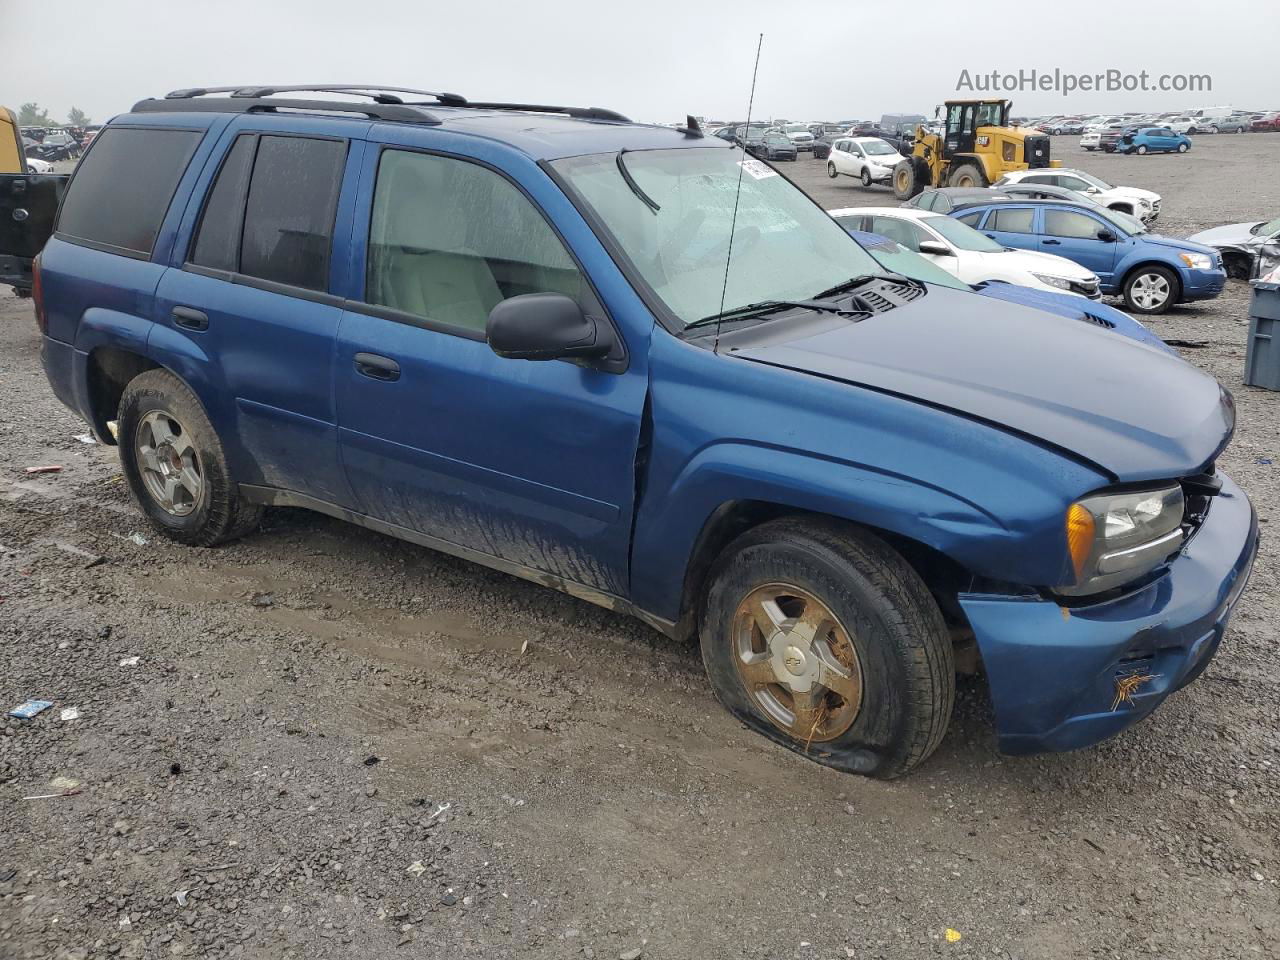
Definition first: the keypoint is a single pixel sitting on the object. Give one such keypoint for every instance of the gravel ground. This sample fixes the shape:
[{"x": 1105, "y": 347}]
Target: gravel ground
[{"x": 320, "y": 742}]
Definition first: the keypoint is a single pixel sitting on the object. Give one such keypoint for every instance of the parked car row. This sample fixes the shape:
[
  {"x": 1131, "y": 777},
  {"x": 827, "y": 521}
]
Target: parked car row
[{"x": 1208, "y": 120}]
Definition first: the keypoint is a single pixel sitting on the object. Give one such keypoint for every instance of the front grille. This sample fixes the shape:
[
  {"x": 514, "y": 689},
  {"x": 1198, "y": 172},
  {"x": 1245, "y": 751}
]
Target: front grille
[{"x": 1087, "y": 288}]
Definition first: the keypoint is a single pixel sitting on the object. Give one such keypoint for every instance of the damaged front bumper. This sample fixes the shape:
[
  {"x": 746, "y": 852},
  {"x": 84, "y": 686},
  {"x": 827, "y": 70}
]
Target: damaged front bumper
[{"x": 1063, "y": 678}]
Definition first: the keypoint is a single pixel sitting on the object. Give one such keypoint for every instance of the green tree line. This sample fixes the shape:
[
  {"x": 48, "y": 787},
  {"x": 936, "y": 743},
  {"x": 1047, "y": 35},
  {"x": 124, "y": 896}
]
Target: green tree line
[{"x": 34, "y": 115}]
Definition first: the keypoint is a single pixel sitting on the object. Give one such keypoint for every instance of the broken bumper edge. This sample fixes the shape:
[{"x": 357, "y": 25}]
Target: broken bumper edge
[{"x": 1053, "y": 673}]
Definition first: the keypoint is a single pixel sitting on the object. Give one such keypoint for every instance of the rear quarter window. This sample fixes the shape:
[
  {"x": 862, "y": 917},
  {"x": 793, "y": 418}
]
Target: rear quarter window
[{"x": 124, "y": 185}]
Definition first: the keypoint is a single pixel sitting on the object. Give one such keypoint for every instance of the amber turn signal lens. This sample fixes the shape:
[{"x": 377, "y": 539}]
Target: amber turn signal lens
[{"x": 1080, "y": 536}]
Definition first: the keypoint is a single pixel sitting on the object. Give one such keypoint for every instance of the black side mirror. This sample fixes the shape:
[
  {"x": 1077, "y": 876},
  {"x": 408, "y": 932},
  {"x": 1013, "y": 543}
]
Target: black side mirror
[
  {"x": 545, "y": 326},
  {"x": 936, "y": 248},
  {"x": 1106, "y": 236}
]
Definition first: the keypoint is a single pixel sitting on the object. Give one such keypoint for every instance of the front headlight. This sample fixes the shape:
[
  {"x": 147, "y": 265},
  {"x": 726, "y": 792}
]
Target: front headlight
[
  {"x": 1062, "y": 283},
  {"x": 1196, "y": 261},
  {"x": 1116, "y": 537},
  {"x": 1144, "y": 202}
]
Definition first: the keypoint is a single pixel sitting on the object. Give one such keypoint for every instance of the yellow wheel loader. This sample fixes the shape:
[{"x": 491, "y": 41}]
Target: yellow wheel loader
[{"x": 975, "y": 149}]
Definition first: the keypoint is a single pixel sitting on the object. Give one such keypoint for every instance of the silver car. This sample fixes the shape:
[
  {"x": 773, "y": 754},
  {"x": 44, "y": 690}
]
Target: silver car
[{"x": 1248, "y": 249}]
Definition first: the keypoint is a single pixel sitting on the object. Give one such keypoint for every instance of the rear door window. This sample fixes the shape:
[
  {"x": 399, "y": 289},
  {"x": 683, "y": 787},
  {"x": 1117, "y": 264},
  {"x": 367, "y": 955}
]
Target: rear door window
[
  {"x": 218, "y": 238},
  {"x": 289, "y": 211},
  {"x": 1016, "y": 220},
  {"x": 971, "y": 218},
  {"x": 123, "y": 187}
]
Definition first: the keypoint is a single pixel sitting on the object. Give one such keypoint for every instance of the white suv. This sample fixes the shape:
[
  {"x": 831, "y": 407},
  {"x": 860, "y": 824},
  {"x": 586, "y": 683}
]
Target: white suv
[
  {"x": 799, "y": 134},
  {"x": 1143, "y": 204}
]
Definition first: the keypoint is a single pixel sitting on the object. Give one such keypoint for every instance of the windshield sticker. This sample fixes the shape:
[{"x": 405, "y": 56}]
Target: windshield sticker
[{"x": 757, "y": 170}]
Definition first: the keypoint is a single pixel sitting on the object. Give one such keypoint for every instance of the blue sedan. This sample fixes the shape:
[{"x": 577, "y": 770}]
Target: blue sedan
[
  {"x": 1154, "y": 140},
  {"x": 1151, "y": 272}
]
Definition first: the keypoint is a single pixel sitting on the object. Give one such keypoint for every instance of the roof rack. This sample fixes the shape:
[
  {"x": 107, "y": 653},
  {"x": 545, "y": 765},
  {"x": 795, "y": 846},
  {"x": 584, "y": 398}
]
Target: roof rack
[
  {"x": 375, "y": 111},
  {"x": 374, "y": 91},
  {"x": 383, "y": 95}
]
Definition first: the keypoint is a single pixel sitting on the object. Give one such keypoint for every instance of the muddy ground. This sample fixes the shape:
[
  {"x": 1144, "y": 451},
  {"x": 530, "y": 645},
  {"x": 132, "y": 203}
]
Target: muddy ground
[{"x": 321, "y": 742}]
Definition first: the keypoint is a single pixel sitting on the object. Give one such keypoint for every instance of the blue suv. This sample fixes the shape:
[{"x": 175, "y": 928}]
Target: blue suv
[
  {"x": 1151, "y": 272},
  {"x": 633, "y": 364}
]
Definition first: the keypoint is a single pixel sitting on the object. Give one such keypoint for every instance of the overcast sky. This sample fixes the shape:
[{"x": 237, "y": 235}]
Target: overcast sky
[{"x": 650, "y": 59}]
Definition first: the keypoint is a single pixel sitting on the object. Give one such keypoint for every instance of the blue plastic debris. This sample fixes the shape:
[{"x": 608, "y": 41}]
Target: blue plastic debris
[
  {"x": 1267, "y": 461},
  {"x": 25, "y": 711}
]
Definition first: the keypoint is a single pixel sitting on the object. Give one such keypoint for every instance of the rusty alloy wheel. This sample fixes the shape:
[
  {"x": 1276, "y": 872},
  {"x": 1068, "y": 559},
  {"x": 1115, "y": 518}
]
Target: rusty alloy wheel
[{"x": 797, "y": 662}]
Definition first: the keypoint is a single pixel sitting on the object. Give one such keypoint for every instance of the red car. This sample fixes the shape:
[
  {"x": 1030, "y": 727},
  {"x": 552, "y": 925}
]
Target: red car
[{"x": 1268, "y": 121}]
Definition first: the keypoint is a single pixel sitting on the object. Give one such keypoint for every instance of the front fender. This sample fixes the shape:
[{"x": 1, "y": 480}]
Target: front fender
[{"x": 726, "y": 431}]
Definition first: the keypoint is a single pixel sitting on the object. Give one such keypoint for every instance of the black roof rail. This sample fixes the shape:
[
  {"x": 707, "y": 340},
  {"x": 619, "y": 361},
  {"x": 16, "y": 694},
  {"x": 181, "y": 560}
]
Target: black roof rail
[
  {"x": 580, "y": 113},
  {"x": 375, "y": 111},
  {"x": 375, "y": 91},
  {"x": 383, "y": 95}
]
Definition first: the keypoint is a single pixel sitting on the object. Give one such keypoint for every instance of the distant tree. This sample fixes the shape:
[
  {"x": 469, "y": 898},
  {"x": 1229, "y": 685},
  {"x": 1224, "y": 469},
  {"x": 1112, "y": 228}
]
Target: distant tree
[
  {"x": 33, "y": 115},
  {"x": 78, "y": 118}
]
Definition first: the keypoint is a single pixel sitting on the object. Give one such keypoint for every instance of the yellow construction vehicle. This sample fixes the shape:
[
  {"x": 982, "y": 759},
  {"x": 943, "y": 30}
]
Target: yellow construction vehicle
[
  {"x": 12, "y": 159},
  {"x": 975, "y": 149}
]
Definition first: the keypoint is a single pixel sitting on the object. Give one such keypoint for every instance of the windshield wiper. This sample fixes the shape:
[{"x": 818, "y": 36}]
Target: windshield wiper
[
  {"x": 770, "y": 306},
  {"x": 858, "y": 281},
  {"x": 647, "y": 200}
]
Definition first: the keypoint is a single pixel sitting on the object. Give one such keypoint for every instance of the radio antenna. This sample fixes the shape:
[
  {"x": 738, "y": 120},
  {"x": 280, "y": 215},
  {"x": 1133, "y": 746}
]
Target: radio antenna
[{"x": 733, "y": 223}]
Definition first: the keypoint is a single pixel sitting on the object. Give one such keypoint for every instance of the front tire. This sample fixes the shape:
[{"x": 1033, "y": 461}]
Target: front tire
[
  {"x": 1142, "y": 149},
  {"x": 1183, "y": 148},
  {"x": 832, "y": 172},
  {"x": 967, "y": 175},
  {"x": 906, "y": 180},
  {"x": 174, "y": 464},
  {"x": 1151, "y": 290},
  {"x": 821, "y": 637},
  {"x": 866, "y": 177}
]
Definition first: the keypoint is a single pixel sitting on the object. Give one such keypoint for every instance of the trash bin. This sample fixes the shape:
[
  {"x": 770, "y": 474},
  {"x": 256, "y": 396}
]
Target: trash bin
[{"x": 1262, "y": 355}]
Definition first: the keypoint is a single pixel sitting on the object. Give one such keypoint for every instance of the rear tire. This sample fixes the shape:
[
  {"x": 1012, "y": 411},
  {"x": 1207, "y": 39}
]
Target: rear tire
[
  {"x": 174, "y": 464},
  {"x": 967, "y": 175},
  {"x": 881, "y": 616}
]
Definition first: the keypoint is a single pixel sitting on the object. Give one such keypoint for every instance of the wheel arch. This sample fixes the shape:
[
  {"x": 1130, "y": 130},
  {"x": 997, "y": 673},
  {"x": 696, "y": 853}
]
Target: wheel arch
[
  {"x": 109, "y": 370},
  {"x": 944, "y": 576}
]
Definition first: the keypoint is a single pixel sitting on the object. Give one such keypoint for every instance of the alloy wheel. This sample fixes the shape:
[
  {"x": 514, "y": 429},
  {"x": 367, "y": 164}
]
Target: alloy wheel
[
  {"x": 168, "y": 463},
  {"x": 1150, "y": 291},
  {"x": 797, "y": 662}
]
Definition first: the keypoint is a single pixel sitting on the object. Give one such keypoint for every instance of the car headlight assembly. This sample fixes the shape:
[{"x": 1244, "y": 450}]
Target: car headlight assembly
[
  {"x": 1196, "y": 261},
  {"x": 1114, "y": 538},
  {"x": 1062, "y": 283}
]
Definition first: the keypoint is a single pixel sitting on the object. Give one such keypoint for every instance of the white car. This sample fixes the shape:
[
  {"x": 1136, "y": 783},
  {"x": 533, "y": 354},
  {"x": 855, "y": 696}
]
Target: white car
[
  {"x": 36, "y": 165},
  {"x": 968, "y": 255},
  {"x": 1143, "y": 204},
  {"x": 1182, "y": 125},
  {"x": 1091, "y": 140},
  {"x": 870, "y": 159}
]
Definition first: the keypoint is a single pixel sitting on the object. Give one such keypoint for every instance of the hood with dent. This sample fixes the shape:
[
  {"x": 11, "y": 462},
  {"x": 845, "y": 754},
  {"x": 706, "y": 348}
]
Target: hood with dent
[
  {"x": 1231, "y": 233},
  {"x": 1133, "y": 410}
]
